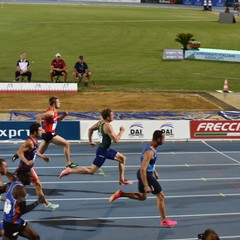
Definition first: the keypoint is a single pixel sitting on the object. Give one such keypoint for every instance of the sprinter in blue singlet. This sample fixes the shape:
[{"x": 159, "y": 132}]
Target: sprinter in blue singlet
[{"x": 147, "y": 179}]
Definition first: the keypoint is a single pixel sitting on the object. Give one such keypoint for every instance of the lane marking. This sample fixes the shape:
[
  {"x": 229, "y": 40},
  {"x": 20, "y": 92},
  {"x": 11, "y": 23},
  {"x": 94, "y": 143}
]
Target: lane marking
[
  {"x": 135, "y": 181},
  {"x": 160, "y": 166},
  {"x": 136, "y": 217},
  {"x": 222, "y": 153},
  {"x": 133, "y": 153},
  {"x": 217, "y": 195}
]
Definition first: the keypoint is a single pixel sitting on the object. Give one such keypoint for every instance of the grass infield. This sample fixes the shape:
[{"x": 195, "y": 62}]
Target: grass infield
[{"x": 123, "y": 46}]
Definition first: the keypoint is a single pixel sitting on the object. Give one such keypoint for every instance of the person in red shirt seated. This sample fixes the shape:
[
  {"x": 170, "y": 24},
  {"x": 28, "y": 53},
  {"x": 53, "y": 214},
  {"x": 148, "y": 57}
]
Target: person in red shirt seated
[{"x": 58, "y": 68}]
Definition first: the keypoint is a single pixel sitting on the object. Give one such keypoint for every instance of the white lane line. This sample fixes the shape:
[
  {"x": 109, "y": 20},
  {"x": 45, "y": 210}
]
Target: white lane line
[
  {"x": 132, "y": 153},
  {"x": 137, "y": 217},
  {"x": 221, "y": 195},
  {"x": 161, "y": 180},
  {"x": 223, "y": 154},
  {"x": 160, "y": 166}
]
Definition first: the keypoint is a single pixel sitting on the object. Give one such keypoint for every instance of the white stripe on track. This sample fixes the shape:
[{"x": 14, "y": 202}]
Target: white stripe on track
[
  {"x": 132, "y": 153},
  {"x": 160, "y": 166},
  {"x": 150, "y": 197},
  {"x": 223, "y": 154},
  {"x": 139, "y": 217},
  {"x": 162, "y": 180}
]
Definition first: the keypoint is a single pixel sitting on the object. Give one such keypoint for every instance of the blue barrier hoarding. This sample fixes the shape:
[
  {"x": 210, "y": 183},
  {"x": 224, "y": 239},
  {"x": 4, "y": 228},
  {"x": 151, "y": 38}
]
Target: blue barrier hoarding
[
  {"x": 187, "y": 2},
  {"x": 217, "y": 3},
  {"x": 19, "y": 130},
  {"x": 197, "y": 2}
]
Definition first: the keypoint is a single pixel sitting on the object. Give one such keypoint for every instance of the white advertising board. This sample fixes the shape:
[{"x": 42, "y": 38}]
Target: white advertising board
[
  {"x": 15, "y": 87},
  {"x": 142, "y": 130}
]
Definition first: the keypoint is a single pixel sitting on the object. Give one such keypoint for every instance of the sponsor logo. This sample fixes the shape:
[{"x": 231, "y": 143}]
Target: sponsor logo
[
  {"x": 136, "y": 130},
  {"x": 219, "y": 126},
  {"x": 215, "y": 129},
  {"x": 13, "y": 133},
  {"x": 168, "y": 129}
]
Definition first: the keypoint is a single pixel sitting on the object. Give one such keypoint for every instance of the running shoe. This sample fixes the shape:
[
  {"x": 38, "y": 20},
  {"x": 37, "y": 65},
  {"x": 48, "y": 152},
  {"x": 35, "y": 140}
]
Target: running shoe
[
  {"x": 65, "y": 172},
  {"x": 14, "y": 157},
  {"x": 116, "y": 195},
  {"x": 52, "y": 206},
  {"x": 72, "y": 165},
  {"x": 125, "y": 182},
  {"x": 168, "y": 223}
]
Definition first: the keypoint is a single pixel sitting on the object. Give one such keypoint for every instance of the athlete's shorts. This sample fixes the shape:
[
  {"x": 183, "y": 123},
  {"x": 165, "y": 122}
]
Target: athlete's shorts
[
  {"x": 12, "y": 230},
  {"x": 152, "y": 182},
  {"x": 102, "y": 154},
  {"x": 47, "y": 137},
  {"x": 34, "y": 176}
]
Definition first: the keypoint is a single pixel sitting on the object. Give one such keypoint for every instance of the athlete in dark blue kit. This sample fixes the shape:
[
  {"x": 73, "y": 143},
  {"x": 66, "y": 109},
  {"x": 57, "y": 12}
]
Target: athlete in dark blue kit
[
  {"x": 15, "y": 206},
  {"x": 27, "y": 154},
  {"x": 103, "y": 151}
]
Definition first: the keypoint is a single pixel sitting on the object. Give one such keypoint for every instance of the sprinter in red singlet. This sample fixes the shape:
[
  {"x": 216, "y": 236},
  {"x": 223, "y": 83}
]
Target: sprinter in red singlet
[{"x": 51, "y": 119}]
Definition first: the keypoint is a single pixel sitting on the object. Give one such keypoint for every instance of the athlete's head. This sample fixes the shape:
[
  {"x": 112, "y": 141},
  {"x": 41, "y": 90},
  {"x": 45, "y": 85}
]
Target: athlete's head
[
  {"x": 159, "y": 136},
  {"x": 23, "y": 175},
  {"x": 36, "y": 129},
  {"x": 107, "y": 114},
  {"x": 52, "y": 100},
  {"x": 209, "y": 234},
  {"x": 3, "y": 166}
]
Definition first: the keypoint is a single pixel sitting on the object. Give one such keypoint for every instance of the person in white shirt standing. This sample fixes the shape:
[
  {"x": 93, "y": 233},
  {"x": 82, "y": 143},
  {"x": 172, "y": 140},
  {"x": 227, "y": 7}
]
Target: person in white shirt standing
[{"x": 23, "y": 68}]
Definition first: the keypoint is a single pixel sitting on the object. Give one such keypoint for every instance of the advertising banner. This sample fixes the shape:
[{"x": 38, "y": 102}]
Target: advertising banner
[
  {"x": 213, "y": 55},
  {"x": 19, "y": 130},
  {"x": 217, "y": 3},
  {"x": 198, "y": 2},
  {"x": 142, "y": 130},
  {"x": 38, "y": 87},
  {"x": 187, "y": 2},
  {"x": 214, "y": 129},
  {"x": 173, "y": 54}
]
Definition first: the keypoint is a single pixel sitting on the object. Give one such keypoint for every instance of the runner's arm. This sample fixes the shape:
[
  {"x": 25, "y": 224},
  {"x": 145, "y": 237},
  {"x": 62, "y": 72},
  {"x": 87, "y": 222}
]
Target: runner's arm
[
  {"x": 47, "y": 115},
  {"x": 148, "y": 155},
  {"x": 90, "y": 132},
  {"x": 109, "y": 130},
  {"x": 19, "y": 193},
  {"x": 26, "y": 146},
  {"x": 60, "y": 118}
]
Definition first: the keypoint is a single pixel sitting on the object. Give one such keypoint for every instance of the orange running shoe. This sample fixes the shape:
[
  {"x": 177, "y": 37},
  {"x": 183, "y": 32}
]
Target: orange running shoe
[
  {"x": 116, "y": 195},
  {"x": 65, "y": 172}
]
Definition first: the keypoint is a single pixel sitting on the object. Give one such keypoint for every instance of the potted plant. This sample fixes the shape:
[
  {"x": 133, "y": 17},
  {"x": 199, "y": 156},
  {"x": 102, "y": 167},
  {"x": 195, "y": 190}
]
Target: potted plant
[{"x": 184, "y": 39}]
